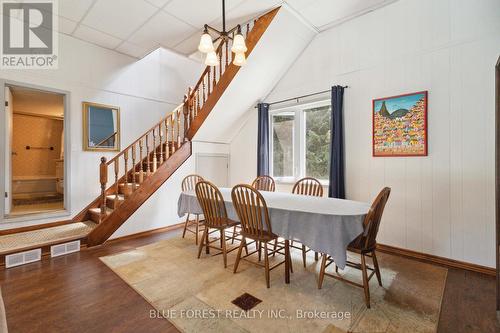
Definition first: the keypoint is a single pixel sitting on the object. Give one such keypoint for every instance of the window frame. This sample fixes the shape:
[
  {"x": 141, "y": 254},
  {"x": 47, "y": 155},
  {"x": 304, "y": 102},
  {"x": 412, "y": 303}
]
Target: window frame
[{"x": 299, "y": 140}]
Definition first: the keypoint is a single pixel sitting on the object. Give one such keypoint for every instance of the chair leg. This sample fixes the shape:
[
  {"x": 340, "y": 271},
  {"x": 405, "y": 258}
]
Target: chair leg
[
  {"x": 377, "y": 270},
  {"x": 185, "y": 226},
  {"x": 322, "y": 271},
  {"x": 224, "y": 250},
  {"x": 238, "y": 256},
  {"x": 304, "y": 254},
  {"x": 266, "y": 264},
  {"x": 366, "y": 287},
  {"x": 260, "y": 251},
  {"x": 234, "y": 235},
  {"x": 275, "y": 246},
  {"x": 207, "y": 244},
  {"x": 203, "y": 238},
  {"x": 197, "y": 228}
]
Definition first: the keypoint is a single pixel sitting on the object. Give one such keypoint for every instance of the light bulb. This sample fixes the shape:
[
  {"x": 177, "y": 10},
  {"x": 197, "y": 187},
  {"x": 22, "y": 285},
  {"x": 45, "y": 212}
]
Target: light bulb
[
  {"x": 206, "y": 45},
  {"x": 239, "y": 59},
  {"x": 212, "y": 59},
  {"x": 239, "y": 45}
]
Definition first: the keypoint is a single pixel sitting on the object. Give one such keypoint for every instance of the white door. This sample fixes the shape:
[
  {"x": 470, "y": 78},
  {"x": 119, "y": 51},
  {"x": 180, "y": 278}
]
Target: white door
[
  {"x": 8, "y": 150},
  {"x": 214, "y": 168}
]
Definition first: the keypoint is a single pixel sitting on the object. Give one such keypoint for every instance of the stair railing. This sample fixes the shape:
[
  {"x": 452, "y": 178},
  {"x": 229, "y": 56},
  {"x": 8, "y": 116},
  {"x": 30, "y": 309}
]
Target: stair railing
[{"x": 142, "y": 157}]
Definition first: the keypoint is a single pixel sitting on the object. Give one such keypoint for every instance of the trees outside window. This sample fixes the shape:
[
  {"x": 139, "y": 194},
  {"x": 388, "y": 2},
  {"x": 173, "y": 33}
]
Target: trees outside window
[{"x": 300, "y": 142}]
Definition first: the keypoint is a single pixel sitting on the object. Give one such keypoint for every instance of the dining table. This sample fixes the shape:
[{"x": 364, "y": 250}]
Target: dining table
[{"x": 325, "y": 225}]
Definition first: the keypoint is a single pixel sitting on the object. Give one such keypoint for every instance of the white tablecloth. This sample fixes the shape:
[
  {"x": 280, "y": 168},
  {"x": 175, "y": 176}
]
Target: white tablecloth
[{"x": 325, "y": 225}]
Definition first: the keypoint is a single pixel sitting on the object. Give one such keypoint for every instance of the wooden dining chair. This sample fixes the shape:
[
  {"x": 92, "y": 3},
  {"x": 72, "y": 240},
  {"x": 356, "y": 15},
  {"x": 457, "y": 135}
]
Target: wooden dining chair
[
  {"x": 188, "y": 184},
  {"x": 215, "y": 213},
  {"x": 255, "y": 224},
  {"x": 308, "y": 186},
  {"x": 365, "y": 245},
  {"x": 264, "y": 183},
  {"x": 312, "y": 187}
]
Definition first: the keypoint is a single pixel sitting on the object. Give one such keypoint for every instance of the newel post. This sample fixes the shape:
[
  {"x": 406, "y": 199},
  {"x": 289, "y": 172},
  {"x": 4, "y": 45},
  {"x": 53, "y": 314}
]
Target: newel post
[
  {"x": 185, "y": 110},
  {"x": 103, "y": 178}
]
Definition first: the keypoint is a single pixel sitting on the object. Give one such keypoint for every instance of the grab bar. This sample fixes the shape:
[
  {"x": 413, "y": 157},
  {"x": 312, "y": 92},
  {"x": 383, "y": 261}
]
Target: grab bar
[{"x": 31, "y": 147}]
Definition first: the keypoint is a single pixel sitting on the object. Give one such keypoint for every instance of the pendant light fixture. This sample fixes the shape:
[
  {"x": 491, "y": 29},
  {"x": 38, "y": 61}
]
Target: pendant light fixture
[{"x": 206, "y": 44}]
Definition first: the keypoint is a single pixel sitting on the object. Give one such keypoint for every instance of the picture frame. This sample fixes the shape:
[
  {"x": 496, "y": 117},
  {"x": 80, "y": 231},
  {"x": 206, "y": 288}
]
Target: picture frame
[
  {"x": 101, "y": 127},
  {"x": 399, "y": 125}
]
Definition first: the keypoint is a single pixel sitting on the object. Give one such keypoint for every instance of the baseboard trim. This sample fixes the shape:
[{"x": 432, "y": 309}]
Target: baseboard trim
[
  {"x": 146, "y": 233},
  {"x": 437, "y": 260}
]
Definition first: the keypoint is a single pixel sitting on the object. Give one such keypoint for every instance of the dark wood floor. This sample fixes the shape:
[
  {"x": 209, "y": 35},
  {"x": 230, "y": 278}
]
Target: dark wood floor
[{"x": 77, "y": 293}]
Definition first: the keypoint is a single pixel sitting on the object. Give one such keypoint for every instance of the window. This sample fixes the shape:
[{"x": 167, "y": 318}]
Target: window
[{"x": 300, "y": 142}]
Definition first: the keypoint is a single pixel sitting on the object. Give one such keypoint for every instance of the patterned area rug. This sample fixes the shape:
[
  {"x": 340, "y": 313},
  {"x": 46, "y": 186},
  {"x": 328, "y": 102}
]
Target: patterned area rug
[{"x": 197, "y": 295}]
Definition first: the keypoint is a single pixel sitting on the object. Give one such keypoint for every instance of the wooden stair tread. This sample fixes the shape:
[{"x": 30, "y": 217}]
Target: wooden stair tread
[
  {"x": 97, "y": 211},
  {"x": 27, "y": 240},
  {"x": 121, "y": 197}
]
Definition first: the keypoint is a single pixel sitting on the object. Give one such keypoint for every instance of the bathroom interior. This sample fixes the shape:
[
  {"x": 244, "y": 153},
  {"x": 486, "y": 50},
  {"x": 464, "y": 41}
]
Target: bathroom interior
[{"x": 35, "y": 162}]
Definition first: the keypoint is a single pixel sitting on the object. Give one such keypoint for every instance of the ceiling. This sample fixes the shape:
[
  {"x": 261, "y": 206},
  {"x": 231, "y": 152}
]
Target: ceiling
[
  {"x": 33, "y": 101},
  {"x": 137, "y": 27}
]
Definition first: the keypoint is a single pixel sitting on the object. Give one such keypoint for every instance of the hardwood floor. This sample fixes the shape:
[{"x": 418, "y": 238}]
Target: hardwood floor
[{"x": 78, "y": 293}]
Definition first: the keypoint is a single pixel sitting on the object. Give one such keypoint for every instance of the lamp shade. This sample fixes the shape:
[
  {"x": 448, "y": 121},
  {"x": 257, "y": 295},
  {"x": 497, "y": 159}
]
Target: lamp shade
[
  {"x": 239, "y": 45},
  {"x": 240, "y": 59},
  {"x": 206, "y": 45},
  {"x": 212, "y": 59}
]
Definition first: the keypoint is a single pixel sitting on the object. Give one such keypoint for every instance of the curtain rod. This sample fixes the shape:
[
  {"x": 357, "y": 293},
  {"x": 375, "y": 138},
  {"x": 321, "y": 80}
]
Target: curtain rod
[{"x": 303, "y": 96}]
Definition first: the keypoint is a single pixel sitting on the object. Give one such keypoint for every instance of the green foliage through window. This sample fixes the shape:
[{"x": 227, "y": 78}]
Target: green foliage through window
[{"x": 317, "y": 142}]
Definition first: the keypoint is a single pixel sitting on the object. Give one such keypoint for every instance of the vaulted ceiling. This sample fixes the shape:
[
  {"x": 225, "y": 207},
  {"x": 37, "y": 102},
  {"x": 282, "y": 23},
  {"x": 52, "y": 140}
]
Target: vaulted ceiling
[{"x": 136, "y": 27}]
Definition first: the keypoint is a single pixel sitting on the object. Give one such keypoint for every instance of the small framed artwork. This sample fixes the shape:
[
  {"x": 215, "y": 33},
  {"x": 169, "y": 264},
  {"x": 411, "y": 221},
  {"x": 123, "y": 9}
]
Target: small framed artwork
[
  {"x": 101, "y": 127},
  {"x": 400, "y": 125}
]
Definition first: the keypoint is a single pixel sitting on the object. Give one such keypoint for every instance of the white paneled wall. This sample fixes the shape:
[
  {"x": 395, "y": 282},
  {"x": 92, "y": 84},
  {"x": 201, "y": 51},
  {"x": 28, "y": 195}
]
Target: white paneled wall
[{"x": 442, "y": 204}]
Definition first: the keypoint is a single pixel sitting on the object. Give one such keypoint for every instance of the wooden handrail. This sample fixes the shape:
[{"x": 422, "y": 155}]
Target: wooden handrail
[{"x": 144, "y": 135}]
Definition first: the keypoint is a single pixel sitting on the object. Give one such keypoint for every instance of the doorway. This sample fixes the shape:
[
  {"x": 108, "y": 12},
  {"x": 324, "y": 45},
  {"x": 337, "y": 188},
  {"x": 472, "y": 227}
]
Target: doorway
[
  {"x": 34, "y": 154},
  {"x": 214, "y": 167}
]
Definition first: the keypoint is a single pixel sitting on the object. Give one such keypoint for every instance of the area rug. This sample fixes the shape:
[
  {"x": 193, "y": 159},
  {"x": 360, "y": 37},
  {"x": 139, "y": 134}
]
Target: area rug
[
  {"x": 3, "y": 320},
  {"x": 196, "y": 295}
]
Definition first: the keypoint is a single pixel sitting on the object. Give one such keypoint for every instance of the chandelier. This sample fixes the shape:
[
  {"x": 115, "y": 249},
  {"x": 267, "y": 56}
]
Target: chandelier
[{"x": 207, "y": 44}]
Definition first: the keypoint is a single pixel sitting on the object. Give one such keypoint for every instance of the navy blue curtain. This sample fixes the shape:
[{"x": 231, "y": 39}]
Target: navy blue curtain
[
  {"x": 263, "y": 140},
  {"x": 337, "y": 187}
]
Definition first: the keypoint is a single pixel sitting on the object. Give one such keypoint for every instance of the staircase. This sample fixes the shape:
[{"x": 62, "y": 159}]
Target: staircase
[{"x": 132, "y": 176}]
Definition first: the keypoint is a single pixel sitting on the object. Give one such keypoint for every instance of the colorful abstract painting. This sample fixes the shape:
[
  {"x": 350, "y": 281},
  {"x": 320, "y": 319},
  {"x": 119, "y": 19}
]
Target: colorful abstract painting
[{"x": 400, "y": 125}]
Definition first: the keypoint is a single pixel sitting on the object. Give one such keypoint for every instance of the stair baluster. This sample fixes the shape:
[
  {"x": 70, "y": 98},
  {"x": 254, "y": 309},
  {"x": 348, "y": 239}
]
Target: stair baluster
[
  {"x": 160, "y": 135},
  {"x": 208, "y": 82},
  {"x": 167, "y": 143},
  {"x": 134, "y": 172},
  {"x": 185, "y": 111},
  {"x": 148, "y": 170},
  {"x": 141, "y": 166},
  {"x": 103, "y": 177},
  {"x": 125, "y": 159},
  {"x": 154, "y": 167},
  {"x": 215, "y": 75},
  {"x": 178, "y": 118},
  {"x": 117, "y": 170}
]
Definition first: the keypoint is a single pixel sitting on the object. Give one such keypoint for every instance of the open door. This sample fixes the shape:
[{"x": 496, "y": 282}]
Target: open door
[{"x": 8, "y": 150}]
